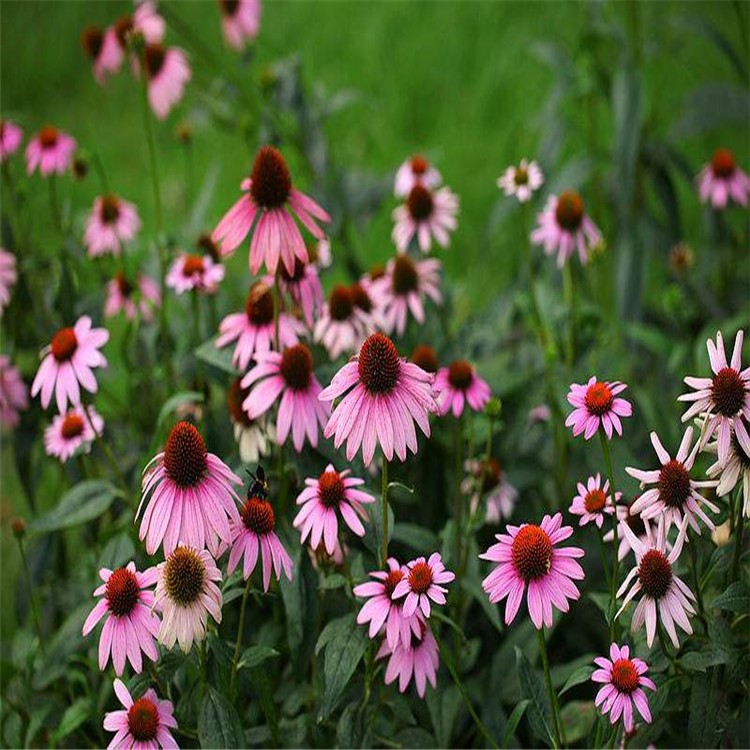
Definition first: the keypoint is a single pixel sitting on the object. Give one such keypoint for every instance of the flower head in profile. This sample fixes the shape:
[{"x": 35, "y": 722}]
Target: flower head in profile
[
  {"x": 132, "y": 298},
  {"x": 721, "y": 179},
  {"x": 593, "y": 502},
  {"x": 195, "y": 272},
  {"x": 72, "y": 431},
  {"x": 597, "y": 405},
  {"x": 416, "y": 170},
  {"x": 102, "y": 47},
  {"x": 11, "y": 136},
  {"x": 304, "y": 287},
  {"x": 143, "y": 723},
  {"x": 8, "y": 276},
  {"x": 622, "y": 680},
  {"x": 289, "y": 376},
  {"x": 426, "y": 215},
  {"x": 332, "y": 491},
  {"x": 528, "y": 556},
  {"x": 253, "y": 436},
  {"x": 563, "y": 227},
  {"x": 50, "y": 150},
  {"x": 487, "y": 479},
  {"x": 271, "y": 199},
  {"x": 736, "y": 467},
  {"x": 422, "y": 582},
  {"x": 131, "y": 625},
  {"x": 14, "y": 393},
  {"x": 641, "y": 528},
  {"x": 342, "y": 325},
  {"x": 382, "y": 396},
  {"x": 240, "y": 21},
  {"x": 522, "y": 181},
  {"x": 186, "y": 594},
  {"x": 68, "y": 364},
  {"x": 167, "y": 73},
  {"x": 111, "y": 223},
  {"x": 419, "y": 660},
  {"x": 459, "y": 385},
  {"x": 189, "y": 495}
]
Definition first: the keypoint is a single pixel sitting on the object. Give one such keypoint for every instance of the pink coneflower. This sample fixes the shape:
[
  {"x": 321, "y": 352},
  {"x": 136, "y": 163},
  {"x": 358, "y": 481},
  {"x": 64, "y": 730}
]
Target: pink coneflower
[
  {"x": 422, "y": 582},
  {"x": 68, "y": 363},
  {"x": 253, "y": 436},
  {"x": 425, "y": 215},
  {"x": 624, "y": 679},
  {"x": 415, "y": 171},
  {"x": 593, "y": 502},
  {"x": 425, "y": 356},
  {"x": 190, "y": 495},
  {"x": 564, "y": 227},
  {"x": 380, "y": 608},
  {"x": 640, "y": 528},
  {"x": 383, "y": 396},
  {"x": 271, "y": 196},
  {"x": 540, "y": 413},
  {"x": 186, "y": 593},
  {"x": 103, "y": 49},
  {"x": 403, "y": 289},
  {"x": 723, "y": 397},
  {"x": 320, "y": 559},
  {"x": 254, "y": 329},
  {"x": 11, "y": 136},
  {"x": 144, "y": 723},
  {"x": 665, "y": 596},
  {"x": 304, "y": 287},
  {"x": 487, "y": 478},
  {"x": 131, "y": 625},
  {"x": 522, "y": 181},
  {"x": 71, "y": 431},
  {"x": 8, "y": 276},
  {"x": 51, "y": 150},
  {"x": 240, "y": 21},
  {"x": 736, "y": 467},
  {"x": 722, "y": 179},
  {"x": 458, "y": 385},
  {"x": 342, "y": 325},
  {"x": 123, "y": 296},
  {"x": 597, "y": 405},
  {"x": 419, "y": 660},
  {"x": 167, "y": 71},
  {"x": 674, "y": 493},
  {"x": 253, "y": 536},
  {"x": 112, "y": 222},
  {"x": 528, "y": 555},
  {"x": 332, "y": 491},
  {"x": 289, "y": 375},
  {"x": 197, "y": 272},
  {"x": 14, "y": 395}
]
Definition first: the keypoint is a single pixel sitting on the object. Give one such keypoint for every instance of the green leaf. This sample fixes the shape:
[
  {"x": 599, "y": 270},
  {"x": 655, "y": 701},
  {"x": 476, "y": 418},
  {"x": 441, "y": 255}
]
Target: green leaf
[
  {"x": 416, "y": 537},
  {"x": 513, "y": 719},
  {"x": 577, "y": 717},
  {"x": 73, "y": 717},
  {"x": 415, "y": 737},
  {"x": 333, "y": 581},
  {"x": 373, "y": 539},
  {"x": 710, "y": 655},
  {"x": 255, "y": 656},
  {"x": 84, "y": 502},
  {"x": 118, "y": 551},
  {"x": 349, "y": 728},
  {"x": 539, "y": 711},
  {"x": 218, "y": 722},
  {"x": 66, "y": 641},
  {"x": 443, "y": 707},
  {"x": 174, "y": 402},
  {"x": 736, "y": 598},
  {"x": 703, "y": 726},
  {"x": 474, "y": 587},
  {"x": 221, "y": 359},
  {"x": 582, "y": 674}
]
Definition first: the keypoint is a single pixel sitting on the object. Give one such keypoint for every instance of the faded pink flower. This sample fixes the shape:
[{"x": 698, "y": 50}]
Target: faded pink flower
[
  {"x": 8, "y": 276},
  {"x": 487, "y": 478},
  {"x": 124, "y": 296},
  {"x": 419, "y": 661},
  {"x": 103, "y": 49},
  {"x": 342, "y": 325},
  {"x": 304, "y": 287},
  {"x": 51, "y": 150},
  {"x": 112, "y": 222},
  {"x": 14, "y": 394},
  {"x": 11, "y": 136},
  {"x": 167, "y": 71},
  {"x": 415, "y": 171},
  {"x": 424, "y": 216},
  {"x": 240, "y": 21},
  {"x": 197, "y": 272},
  {"x": 522, "y": 181},
  {"x": 721, "y": 179},
  {"x": 73, "y": 430}
]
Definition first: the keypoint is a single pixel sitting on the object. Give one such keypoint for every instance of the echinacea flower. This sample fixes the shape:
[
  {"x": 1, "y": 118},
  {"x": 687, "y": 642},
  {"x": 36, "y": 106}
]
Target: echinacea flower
[
  {"x": 623, "y": 681},
  {"x": 288, "y": 375},
  {"x": 722, "y": 179},
  {"x": 487, "y": 478},
  {"x": 112, "y": 222},
  {"x": 304, "y": 287},
  {"x": 189, "y": 494},
  {"x": 8, "y": 276},
  {"x": 422, "y": 582},
  {"x": 342, "y": 325},
  {"x": 723, "y": 397},
  {"x": 640, "y": 528},
  {"x": 167, "y": 72},
  {"x": 254, "y": 537},
  {"x": 196, "y": 272},
  {"x": 419, "y": 661},
  {"x": 186, "y": 594},
  {"x": 424, "y": 216},
  {"x": 271, "y": 196},
  {"x": 563, "y": 227},
  {"x": 11, "y": 136},
  {"x": 737, "y": 463},
  {"x": 144, "y": 723},
  {"x": 403, "y": 289},
  {"x": 415, "y": 171},
  {"x": 14, "y": 394},
  {"x": 73, "y": 430},
  {"x": 68, "y": 362},
  {"x": 597, "y": 405},
  {"x": 103, "y": 49},
  {"x": 593, "y": 502},
  {"x": 382, "y": 397},
  {"x": 528, "y": 555},
  {"x": 332, "y": 491},
  {"x": 131, "y": 625},
  {"x": 674, "y": 493},
  {"x": 123, "y": 295},
  {"x": 665, "y": 597},
  {"x": 459, "y": 385},
  {"x": 425, "y": 356},
  {"x": 240, "y": 21},
  {"x": 522, "y": 181},
  {"x": 51, "y": 150},
  {"x": 145, "y": 22},
  {"x": 540, "y": 413},
  {"x": 253, "y": 436},
  {"x": 254, "y": 328}
]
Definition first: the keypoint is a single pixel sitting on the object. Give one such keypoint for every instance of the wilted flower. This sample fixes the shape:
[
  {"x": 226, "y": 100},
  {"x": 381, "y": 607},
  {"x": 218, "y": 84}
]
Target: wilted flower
[
  {"x": 419, "y": 660},
  {"x": 253, "y": 436},
  {"x": 424, "y": 216},
  {"x": 722, "y": 179},
  {"x": 681, "y": 258},
  {"x": 522, "y": 181},
  {"x": 736, "y": 467}
]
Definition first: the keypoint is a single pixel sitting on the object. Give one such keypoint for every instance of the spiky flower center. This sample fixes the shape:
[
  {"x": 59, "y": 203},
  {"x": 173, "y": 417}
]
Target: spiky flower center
[
  {"x": 184, "y": 574},
  {"x": 72, "y": 425},
  {"x": 299, "y": 271},
  {"x": 123, "y": 285},
  {"x": 92, "y": 40},
  {"x": 655, "y": 573},
  {"x": 419, "y": 164},
  {"x": 595, "y": 501},
  {"x": 208, "y": 246},
  {"x": 531, "y": 553},
  {"x": 460, "y": 374},
  {"x": 153, "y": 59},
  {"x": 193, "y": 264},
  {"x": 405, "y": 278},
  {"x": 185, "y": 455},
  {"x": 569, "y": 210},
  {"x": 258, "y": 516},
  {"x": 360, "y": 297},
  {"x": 236, "y": 395},
  {"x": 143, "y": 720},
  {"x": 379, "y": 365},
  {"x": 599, "y": 399},
  {"x": 391, "y": 581},
  {"x": 728, "y": 391},
  {"x": 110, "y": 209},
  {"x": 420, "y": 578},
  {"x": 424, "y": 356},
  {"x": 271, "y": 181},
  {"x": 420, "y": 203},
  {"x": 64, "y": 344},
  {"x": 259, "y": 304},
  {"x": 297, "y": 367},
  {"x": 521, "y": 177},
  {"x": 634, "y": 520},
  {"x": 624, "y": 676},
  {"x": 340, "y": 303},
  {"x": 723, "y": 163},
  {"x": 121, "y": 592},
  {"x": 123, "y": 27},
  {"x": 48, "y": 136},
  {"x": 674, "y": 484},
  {"x": 489, "y": 474},
  {"x": 229, "y": 7},
  {"x": 331, "y": 489}
]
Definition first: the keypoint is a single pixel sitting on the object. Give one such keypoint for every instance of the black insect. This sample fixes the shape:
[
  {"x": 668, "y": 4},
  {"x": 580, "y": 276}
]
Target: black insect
[{"x": 259, "y": 486}]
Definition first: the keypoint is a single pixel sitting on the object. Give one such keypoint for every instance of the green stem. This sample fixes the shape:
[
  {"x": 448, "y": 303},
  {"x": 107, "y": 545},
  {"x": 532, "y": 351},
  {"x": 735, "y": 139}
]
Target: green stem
[
  {"x": 697, "y": 585},
  {"x": 99, "y": 166},
  {"x": 459, "y": 511},
  {"x": 107, "y": 452},
  {"x": 552, "y": 695},
  {"x": 384, "y": 495},
  {"x": 603, "y": 550},
  {"x": 32, "y": 599},
  {"x": 570, "y": 304},
  {"x": 738, "y": 538},
  {"x": 196, "y": 305},
  {"x": 615, "y": 561},
  {"x": 238, "y": 644}
]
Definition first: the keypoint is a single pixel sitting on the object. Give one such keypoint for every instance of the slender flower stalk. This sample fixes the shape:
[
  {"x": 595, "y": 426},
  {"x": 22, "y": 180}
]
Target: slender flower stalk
[
  {"x": 459, "y": 511},
  {"x": 238, "y": 644},
  {"x": 615, "y": 560},
  {"x": 19, "y": 528},
  {"x": 550, "y": 690},
  {"x": 384, "y": 493},
  {"x": 738, "y": 535},
  {"x": 106, "y": 450}
]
